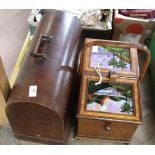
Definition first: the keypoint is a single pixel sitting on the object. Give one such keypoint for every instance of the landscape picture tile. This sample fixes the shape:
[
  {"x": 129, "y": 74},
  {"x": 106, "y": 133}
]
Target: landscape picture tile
[
  {"x": 110, "y": 97},
  {"x": 110, "y": 57}
]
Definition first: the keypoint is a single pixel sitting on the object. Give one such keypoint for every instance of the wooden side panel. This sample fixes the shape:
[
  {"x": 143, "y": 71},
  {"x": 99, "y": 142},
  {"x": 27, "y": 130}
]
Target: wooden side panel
[
  {"x": 120, "y": 131},
  {"x": 20, "y": 60},
  {"x": 4, "y": 83},
  {"x": 3, "y": 118},
  {"x": 4, "y": 92}
]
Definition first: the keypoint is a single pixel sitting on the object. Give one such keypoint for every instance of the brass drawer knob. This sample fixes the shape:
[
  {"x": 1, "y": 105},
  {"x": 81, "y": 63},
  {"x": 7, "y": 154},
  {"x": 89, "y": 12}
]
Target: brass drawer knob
[{"x": 107, "y": 127}]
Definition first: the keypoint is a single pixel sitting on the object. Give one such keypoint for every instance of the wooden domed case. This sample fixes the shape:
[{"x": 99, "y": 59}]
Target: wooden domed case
[{"x": 39, "y": 106}]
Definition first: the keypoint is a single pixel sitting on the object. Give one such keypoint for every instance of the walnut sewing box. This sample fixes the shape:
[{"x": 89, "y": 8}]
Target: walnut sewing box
[{"x": 109, "y": 98}]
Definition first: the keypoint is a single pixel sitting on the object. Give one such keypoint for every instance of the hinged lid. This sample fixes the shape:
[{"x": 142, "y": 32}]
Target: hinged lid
[
  {"x": 111, "y": 56},
  {"x": 117, "y": 100}
]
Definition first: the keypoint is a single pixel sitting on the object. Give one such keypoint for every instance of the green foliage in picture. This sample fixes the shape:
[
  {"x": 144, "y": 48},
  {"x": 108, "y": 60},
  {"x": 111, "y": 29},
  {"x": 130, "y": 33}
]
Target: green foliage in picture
[
  {"x": 121, "y": 64},
  {"x": 116, "y": 49},
  {"x": 92, "y": 88},
  {"x": 117, "y": 98},
  {"x": 124, "y": 88},
  {"x": 112, "y": 62},
  {"x": 126, "y": 107},
  {"x": 95, "y": 98},
  {"x": 120, "y": 52}
]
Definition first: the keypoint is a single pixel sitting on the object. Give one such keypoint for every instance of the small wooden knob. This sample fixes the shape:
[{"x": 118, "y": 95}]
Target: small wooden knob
[{"x": 108, "y": 127}]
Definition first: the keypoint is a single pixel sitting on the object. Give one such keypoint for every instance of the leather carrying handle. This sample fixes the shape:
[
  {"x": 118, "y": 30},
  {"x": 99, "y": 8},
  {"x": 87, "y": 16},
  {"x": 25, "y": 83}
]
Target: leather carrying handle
[
  {"x": 36, "y": 49},
  {"x": 140, "y": 47}
]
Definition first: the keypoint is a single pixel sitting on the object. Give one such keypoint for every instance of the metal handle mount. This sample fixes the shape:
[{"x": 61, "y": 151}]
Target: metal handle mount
[{"x": 36, "y": 49}]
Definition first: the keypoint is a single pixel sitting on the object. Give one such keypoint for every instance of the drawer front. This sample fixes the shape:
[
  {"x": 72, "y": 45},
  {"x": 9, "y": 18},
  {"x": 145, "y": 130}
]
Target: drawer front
[{"x": 112, "y": 130}]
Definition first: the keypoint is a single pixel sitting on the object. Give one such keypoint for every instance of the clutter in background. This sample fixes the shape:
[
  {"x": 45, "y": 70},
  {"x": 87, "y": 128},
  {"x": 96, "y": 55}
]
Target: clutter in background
[
  {"x": 91, "y": 17},
  {"x": 132, "y": 29},
  {"x": 138, "y": 13},
  {"x": 94, "y": 19}
]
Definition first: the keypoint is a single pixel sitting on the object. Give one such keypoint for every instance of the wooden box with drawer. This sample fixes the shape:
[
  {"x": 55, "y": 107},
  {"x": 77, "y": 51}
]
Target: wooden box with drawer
[{"x": 109, "y": 101}]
